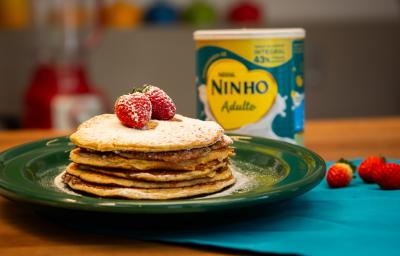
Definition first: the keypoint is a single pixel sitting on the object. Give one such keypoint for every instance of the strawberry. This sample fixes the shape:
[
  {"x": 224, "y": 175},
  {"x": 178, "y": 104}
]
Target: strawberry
[
  {"x": 369, "y": 166},
  {"x": 133, "y": 110},
  {"x": 162, "y": 105},
  {"x": 340, "y": 174},
  {"x": 388, "y": 177}
]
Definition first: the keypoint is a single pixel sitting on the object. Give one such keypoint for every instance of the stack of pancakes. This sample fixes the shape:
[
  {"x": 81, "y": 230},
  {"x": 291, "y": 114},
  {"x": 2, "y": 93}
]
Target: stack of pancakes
[{"x": 178, "y": 158}]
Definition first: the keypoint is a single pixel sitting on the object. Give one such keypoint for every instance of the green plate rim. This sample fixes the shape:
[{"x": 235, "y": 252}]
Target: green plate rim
[{"x": 279, "y": 193}]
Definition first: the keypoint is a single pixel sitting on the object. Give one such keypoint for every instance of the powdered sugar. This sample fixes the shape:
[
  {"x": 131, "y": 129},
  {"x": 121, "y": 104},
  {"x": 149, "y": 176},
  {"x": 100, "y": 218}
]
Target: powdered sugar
[
  {"x": 163, "y": 107},
  {"x": 133, "y": 110},
  {"x": 242, "y": 184},
  {"x": 106, "y": 133}
]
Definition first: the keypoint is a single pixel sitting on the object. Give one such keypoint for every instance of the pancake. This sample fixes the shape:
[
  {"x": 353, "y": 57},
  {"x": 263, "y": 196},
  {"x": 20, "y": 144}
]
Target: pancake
[
  {"x": 207, "y": 170},
  {"x": 145, "y": 193},
  {"x": 99, "y": 178},
  {"x": 112, "y": 160},
  {"x": 106, "y": 133},
  {"x": 167, "y": 159},
  {"x": 180, "y": 155}
]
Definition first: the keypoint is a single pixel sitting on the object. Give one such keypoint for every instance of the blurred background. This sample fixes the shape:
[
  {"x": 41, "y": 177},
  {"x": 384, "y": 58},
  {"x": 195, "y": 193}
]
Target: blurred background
[{"x": 62, "y": 61}]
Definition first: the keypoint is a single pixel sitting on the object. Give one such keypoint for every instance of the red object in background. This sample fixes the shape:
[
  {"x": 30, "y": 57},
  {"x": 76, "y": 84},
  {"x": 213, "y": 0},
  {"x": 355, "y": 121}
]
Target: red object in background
[
  {"x": 58, "y": 95},
  {"x": 245, "y": 12}
]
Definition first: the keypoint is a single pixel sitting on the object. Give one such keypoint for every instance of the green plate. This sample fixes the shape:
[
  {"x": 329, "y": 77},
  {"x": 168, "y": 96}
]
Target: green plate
[{"x": 267, "y": 171}]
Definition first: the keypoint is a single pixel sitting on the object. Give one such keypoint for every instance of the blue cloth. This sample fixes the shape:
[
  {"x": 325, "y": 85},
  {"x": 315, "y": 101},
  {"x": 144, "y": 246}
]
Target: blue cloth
[{"x": 357, "y": 220}]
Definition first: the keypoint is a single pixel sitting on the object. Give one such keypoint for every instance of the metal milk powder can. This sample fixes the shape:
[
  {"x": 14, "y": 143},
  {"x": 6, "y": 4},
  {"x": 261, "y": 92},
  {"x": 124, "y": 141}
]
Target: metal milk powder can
[{"x": 251, "y": 81}]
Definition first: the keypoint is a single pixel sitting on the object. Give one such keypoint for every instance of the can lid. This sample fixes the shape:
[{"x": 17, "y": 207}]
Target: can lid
[{"x": 226, "y": 34}]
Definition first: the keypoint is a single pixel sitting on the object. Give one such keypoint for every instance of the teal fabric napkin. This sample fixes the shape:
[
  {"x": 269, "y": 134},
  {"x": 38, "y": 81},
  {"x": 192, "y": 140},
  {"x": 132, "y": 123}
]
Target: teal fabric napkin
[{"x": 357, "y": 220}]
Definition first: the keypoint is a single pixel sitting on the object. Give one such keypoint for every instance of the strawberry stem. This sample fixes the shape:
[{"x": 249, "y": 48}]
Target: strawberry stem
[
  {"x": 138, "y": 89},
  {"x": 349, "y": 163},
  {"x": 146, "y": 87}
]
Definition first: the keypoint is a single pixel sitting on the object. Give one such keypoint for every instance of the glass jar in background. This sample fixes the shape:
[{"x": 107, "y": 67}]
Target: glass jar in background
[{"x": 60, "y": 95}]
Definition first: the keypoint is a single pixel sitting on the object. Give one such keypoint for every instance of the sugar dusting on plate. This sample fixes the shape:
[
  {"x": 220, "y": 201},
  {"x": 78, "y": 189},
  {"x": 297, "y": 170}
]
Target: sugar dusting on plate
[
  {"x": 242, "y": 184},
  {"x": 245, "y": 179}
]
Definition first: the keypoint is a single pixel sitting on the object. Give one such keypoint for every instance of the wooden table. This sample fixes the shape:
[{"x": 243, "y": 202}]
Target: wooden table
[{"x": 22, "y": 232}]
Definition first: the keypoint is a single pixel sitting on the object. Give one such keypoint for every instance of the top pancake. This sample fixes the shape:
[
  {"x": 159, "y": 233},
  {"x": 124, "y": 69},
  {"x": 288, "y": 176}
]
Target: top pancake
[{"x": 106, "y": 133}]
